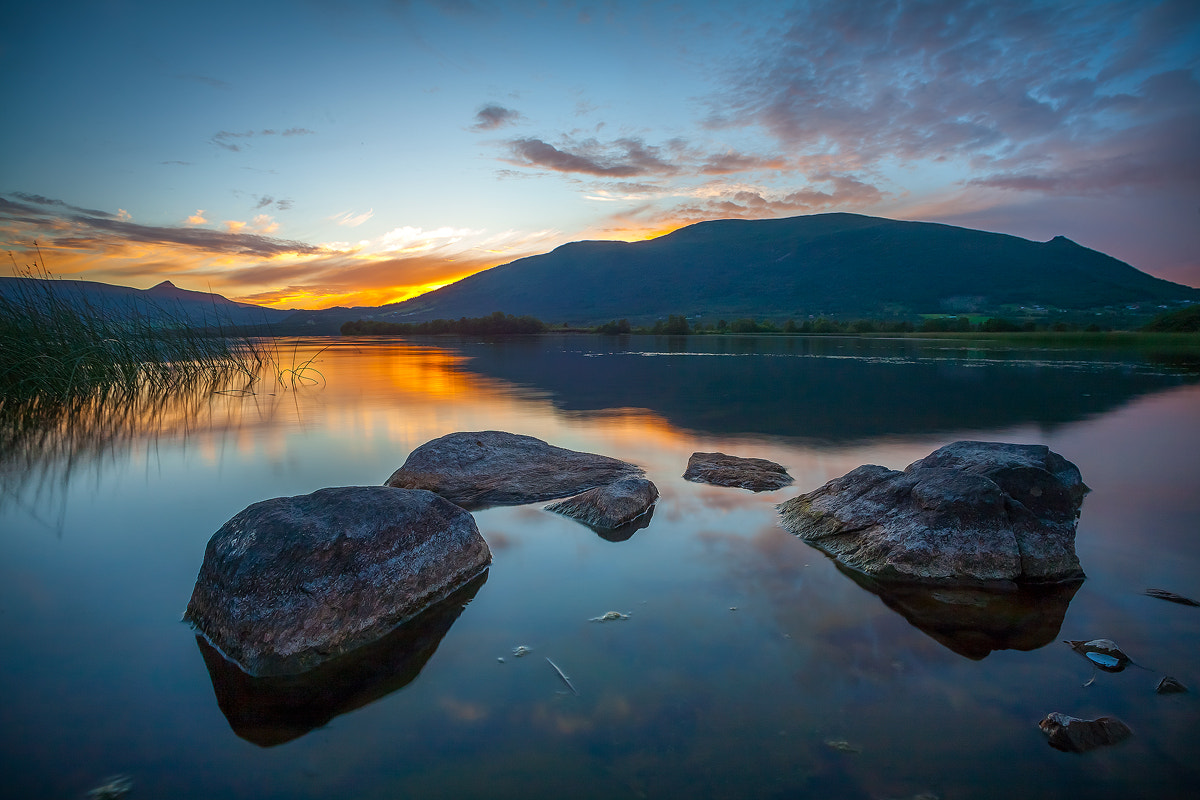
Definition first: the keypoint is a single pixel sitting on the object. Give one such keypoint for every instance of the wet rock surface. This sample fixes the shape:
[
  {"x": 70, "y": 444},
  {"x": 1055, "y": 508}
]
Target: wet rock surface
[
  {"x": 1103, "y": 653},
  {"x": 971, "y": 511},
  {"x": 270, "y": 711},
  {"x": 612, "y": 506},
  {"x": 491, "y": 468},
  {"x": 1169, "y": 685},
  {"x": 292, "y": 582},
  {"x": 1075, "y": 735},
  {"x": 719, "y": 469}
]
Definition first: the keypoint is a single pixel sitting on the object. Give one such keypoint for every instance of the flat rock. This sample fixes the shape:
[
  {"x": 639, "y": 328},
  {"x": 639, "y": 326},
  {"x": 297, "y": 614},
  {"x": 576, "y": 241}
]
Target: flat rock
[
  {"x": 719, "y": 469},
  {"x": 971, "y": 511},
  {"x": 610, "y": 506},
  {"x": 292, "y": 582},
  {"x": 493, "y": 468},
  {"x": 1075, "y": 735}
]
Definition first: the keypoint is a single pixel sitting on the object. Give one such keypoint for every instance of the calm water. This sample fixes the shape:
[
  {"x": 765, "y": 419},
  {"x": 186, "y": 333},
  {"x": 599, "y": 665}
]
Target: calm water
[{"x": 749, "y": 666}]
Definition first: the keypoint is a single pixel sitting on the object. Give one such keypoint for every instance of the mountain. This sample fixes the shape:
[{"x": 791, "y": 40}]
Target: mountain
[
  {"x": 844, "y": 265},
  {"x": 164, "y": 302}
]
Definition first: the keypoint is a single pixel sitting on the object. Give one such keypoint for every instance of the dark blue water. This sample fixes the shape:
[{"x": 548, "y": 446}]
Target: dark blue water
[{"x": 749, "y": 666}]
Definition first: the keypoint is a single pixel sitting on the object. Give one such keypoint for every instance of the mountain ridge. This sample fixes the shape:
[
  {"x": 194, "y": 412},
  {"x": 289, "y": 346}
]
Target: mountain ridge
[{"x": 839, "y": 264}]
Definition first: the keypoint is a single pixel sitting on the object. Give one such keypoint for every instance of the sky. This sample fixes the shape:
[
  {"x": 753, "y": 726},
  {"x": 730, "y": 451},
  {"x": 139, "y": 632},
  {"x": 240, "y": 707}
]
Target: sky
[{"x": 314, "y": 153}]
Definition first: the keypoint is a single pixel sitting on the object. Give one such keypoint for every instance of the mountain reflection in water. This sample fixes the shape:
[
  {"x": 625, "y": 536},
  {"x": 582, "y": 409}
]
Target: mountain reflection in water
[{"x": 831, "y": 389}]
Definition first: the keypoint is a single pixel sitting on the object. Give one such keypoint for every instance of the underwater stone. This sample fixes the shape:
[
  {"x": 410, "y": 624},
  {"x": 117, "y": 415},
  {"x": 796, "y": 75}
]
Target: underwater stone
[{"x": 1075, "y": 735}]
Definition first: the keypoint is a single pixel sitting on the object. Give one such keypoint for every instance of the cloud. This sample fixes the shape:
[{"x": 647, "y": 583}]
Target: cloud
[
  {"x": 1033, "y": 88},
  {"x": 351, "y": 220},
  {"x": 243, "y": 260},
  {"x": 492, "y": 116},
  {"x": 622, "y": 158},
  {"x": 233, "y": 141},
  {"x": 197, "y": 218},
  {"x": 415, "y": 240}
]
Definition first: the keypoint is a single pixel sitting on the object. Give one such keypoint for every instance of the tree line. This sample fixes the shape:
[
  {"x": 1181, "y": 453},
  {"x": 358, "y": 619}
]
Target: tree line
[{"x": 496, "y": 324}]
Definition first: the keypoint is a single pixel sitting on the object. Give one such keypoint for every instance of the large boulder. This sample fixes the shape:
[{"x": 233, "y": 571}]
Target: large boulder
[
  {"x": 494, "y": 468},
  {"x": 610, "y": 506},
  {"x": 292, "y": 582},
  {"x": 719, "y": 469},
  {"x": 971, "y": 511}
]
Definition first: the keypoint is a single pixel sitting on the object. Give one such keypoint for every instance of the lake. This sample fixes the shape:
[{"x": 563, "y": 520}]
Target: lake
[{"x": 749, "y": 666}]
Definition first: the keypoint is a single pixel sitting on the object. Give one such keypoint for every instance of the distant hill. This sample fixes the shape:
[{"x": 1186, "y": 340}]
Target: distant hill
[
  {"x": 843, "y": 265},
  {"x": 164, "y": 302}
]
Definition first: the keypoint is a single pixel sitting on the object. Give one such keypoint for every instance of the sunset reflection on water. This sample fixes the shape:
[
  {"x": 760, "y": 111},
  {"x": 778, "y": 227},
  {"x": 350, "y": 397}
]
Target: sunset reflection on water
[{"x": 745, "y": 654}]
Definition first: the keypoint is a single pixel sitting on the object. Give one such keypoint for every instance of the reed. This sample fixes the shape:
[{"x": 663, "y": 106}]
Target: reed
[{"x": 57, "y": 346}]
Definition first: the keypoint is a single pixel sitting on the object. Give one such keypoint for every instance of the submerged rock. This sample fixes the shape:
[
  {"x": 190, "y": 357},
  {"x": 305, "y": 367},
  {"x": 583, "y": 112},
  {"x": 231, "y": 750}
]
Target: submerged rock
[
  {"x": 270, "y": 711},
  {"x": 491, "y": 468},
  {"x": 292, "y": 582},
  {"x": 611, "y": 506},
  {"x": 1074, "y": 735},
  {"x": 1104, "y": 653},
  {"x": 755, "y": 474},
  {"x": 971, "y": 511},
  {"x": 1169, "y": 685}
]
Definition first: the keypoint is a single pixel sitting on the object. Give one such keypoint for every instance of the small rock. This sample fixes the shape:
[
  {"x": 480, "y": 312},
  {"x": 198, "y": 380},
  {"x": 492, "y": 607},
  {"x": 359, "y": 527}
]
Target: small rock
[
  {"x": 1104, "y": 653},
  {"x": 609, "y": 616},
  {"x": 611, "y": 506},
  {"x": 1169, "y": 685},
  {"x": 521, "y": 650},
  {"x": 493, "y": 468},
  {"x": 841, "y": 745},
  {"x": 755, "y": 474},
  {"x": 1074, "y": 735}
]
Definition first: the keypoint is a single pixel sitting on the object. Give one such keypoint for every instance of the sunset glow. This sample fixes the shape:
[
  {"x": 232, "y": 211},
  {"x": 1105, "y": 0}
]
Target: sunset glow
[{"x": 311, "y": 155}]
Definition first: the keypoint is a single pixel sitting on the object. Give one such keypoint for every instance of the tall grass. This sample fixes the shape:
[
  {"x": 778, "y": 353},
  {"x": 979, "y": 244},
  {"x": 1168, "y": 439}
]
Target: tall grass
[{"x": 57, "y": 346}]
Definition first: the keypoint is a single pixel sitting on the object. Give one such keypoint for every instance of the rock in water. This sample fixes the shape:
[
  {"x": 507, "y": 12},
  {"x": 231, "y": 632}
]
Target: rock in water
[
  {"x": 1104, "y": 653},
  {"x": 611, "y": 506},
  {"x": 1080, "y": 735},
  {"x": 292, "y": 582},
  {"x": 492, "y": 468},
  {"x": 971, "y": 511},
  {"x": 755, "y": 474},
  {"x": 1169, "y": 685}
]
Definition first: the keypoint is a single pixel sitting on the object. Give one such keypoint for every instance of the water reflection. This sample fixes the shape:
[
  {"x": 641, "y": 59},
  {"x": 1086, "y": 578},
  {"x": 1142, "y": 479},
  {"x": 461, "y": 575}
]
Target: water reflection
[
  {"x": 272, "y": 711},
  {"x": 826, "y": 389},
  {"x": 975, "y": 621}
]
